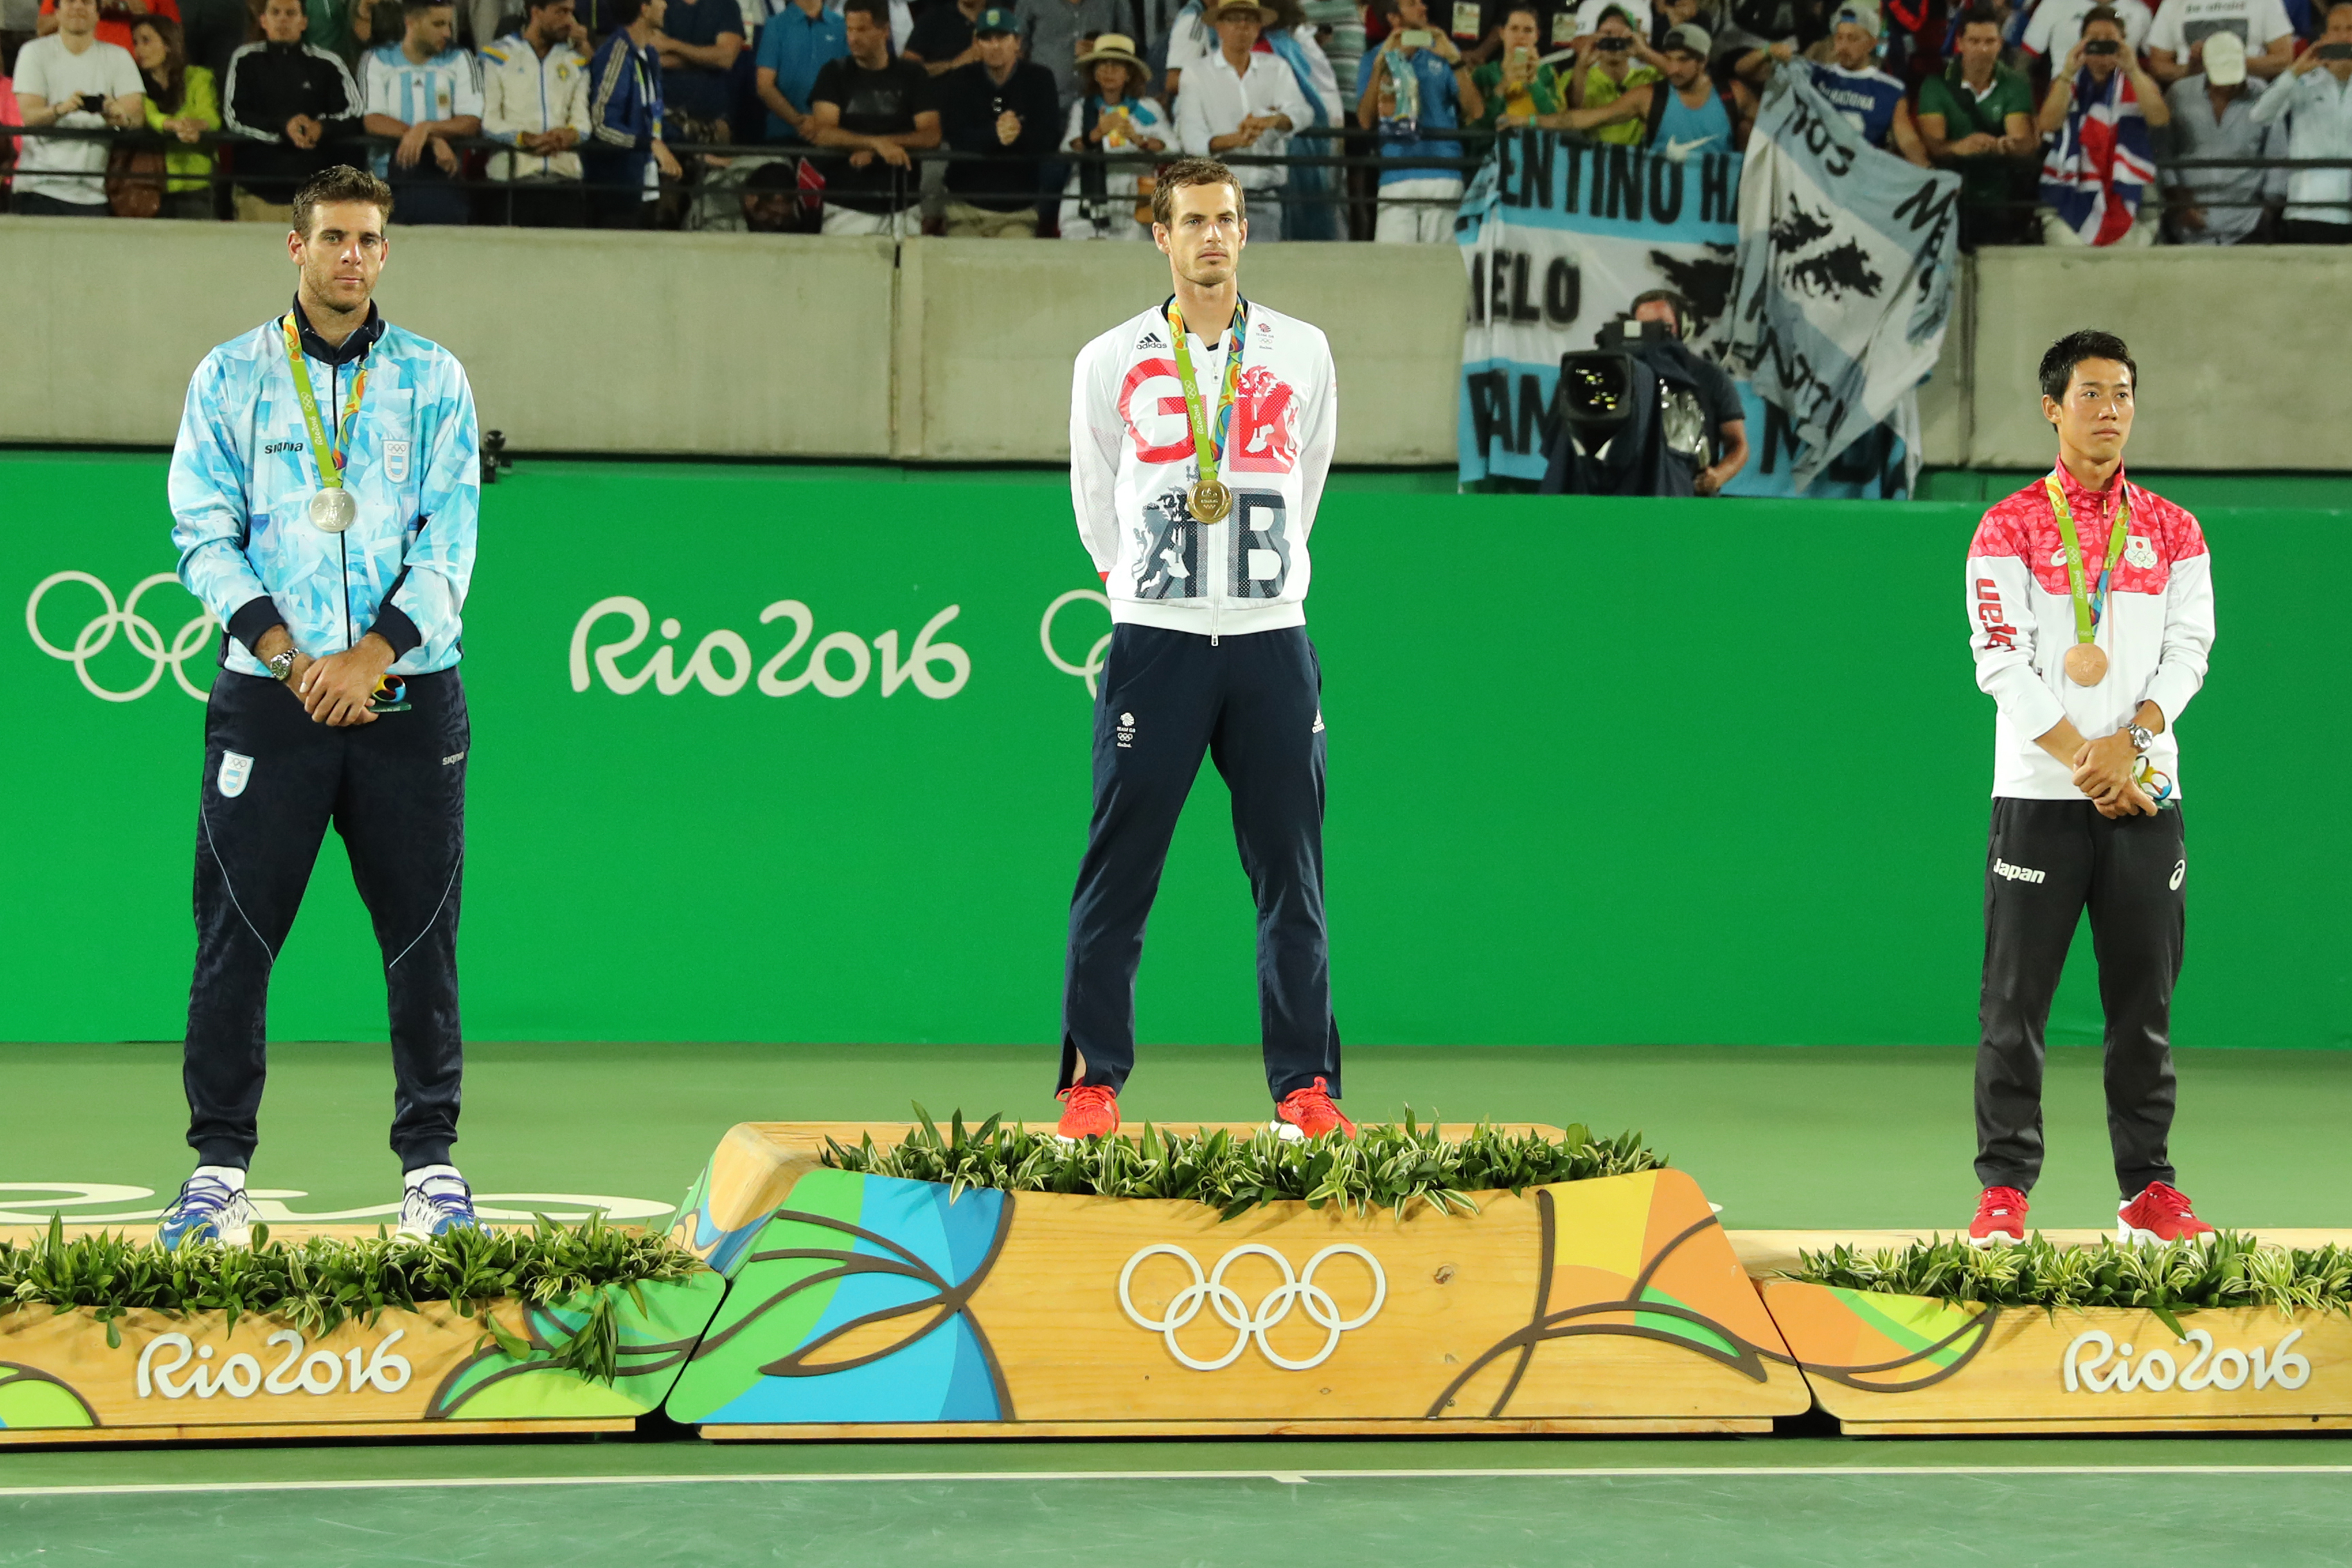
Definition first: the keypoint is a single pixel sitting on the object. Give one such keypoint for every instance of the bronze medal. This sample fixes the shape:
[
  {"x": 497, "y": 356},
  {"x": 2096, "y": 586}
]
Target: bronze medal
[
  {"x": 2086, "y": 664},
  {"x": 1209, "y": 500}
]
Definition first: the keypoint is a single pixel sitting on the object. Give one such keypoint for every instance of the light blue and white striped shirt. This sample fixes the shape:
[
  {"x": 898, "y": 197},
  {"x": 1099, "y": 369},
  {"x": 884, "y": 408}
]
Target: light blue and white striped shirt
[{"x": 443, "y": 88}]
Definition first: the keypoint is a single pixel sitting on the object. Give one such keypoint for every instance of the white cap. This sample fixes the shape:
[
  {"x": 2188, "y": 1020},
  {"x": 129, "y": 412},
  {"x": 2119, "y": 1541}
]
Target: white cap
[{"x": 2225, "y": 59}]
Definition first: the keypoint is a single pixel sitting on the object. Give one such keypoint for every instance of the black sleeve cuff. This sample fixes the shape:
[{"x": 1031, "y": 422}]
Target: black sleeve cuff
[
  {"x": 252, "y": 622},
  {"x": 392, "y": 625}
]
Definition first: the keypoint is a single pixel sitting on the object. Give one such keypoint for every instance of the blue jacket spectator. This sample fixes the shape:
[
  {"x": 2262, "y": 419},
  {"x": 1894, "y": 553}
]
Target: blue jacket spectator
[{"x": 624, "y": 118}]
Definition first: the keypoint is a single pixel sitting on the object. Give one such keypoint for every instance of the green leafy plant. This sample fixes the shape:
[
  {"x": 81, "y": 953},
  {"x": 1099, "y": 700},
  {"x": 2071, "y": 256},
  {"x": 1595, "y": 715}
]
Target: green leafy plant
[
  {"x": 1391, "y": 1165},
  {"x": 320, "y": 1283},
  {"x": 2233, "y": 1270}
]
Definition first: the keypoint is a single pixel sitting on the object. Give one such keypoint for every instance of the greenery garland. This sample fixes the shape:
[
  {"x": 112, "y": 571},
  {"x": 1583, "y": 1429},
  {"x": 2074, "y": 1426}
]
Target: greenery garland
[
  {"x": 2232, "y": 1270},
  {"x": 1386, "y": 1165},
  {"x": 322, "y": 1282}
]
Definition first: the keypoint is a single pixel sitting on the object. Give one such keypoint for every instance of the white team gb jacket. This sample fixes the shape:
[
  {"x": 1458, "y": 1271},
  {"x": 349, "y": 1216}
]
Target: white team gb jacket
[{"x": 1131, "y": 461}]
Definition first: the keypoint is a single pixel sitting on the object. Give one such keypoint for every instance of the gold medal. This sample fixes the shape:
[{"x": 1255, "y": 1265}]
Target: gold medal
[
  {"x": 1209, "y": 500},
  {"x": 2086, "y": 664}
]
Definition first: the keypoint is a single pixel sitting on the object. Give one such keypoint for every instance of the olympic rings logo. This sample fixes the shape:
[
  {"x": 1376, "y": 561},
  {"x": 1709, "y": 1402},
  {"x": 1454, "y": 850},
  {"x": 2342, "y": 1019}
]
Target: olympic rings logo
[
  {"x": 1093, "y": 659},
  {"x": 1297, "y": 1290},
  {"x": 141, "y": 633}
]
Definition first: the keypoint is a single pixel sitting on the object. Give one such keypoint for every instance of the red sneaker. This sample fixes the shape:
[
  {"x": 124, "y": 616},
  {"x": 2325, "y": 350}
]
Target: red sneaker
[
  {"x": 1312, "y": 1112},
  {"x": 2160, "y": 1214},
  {"x": 1090, "y": 1111},
  {"x": 2000, "y": 1218}
]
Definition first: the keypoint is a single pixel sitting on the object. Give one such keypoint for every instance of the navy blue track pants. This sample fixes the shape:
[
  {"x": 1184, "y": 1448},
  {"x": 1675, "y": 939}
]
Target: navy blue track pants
[
  {"x": 1254, "y": 703},
  {"x": 395, "y": 790}
]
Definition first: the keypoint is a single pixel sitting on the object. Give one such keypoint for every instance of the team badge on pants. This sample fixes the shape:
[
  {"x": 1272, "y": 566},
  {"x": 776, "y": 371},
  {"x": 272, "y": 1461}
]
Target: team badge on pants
[{"x": 234, "y": 770}]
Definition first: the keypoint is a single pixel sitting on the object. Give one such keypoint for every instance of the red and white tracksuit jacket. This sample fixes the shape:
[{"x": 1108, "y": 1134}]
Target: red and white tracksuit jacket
[
  {"x": 1131, "y": 461},
  {"x": 2156, "y": 632}
]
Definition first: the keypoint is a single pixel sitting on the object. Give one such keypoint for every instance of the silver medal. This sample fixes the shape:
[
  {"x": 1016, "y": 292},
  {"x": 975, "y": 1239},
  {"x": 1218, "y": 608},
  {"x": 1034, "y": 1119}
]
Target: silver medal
[{"x": 333, "y": 510}]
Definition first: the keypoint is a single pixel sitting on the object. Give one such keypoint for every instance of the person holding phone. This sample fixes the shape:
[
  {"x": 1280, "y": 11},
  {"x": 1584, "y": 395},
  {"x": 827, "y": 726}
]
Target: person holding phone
[
  {"x": 2316, "y": 100},
  {"x": 2101, "y": 162},
  {"x": 324, "y": 490},
  {"x": 1518, "y": 83},
  {"x": 1418, "y": 83},
  {"x": 72, "y": 80},
  {"x": 1608, "y": 68}
]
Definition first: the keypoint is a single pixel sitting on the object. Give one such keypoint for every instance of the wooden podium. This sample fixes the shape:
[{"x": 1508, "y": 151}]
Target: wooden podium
[
  {"x": 1900, "y": 1365},
  {"x": 867, "y": 1306}
]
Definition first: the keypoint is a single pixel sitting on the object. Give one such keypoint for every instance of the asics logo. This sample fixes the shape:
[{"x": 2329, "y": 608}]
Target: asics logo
[
  {"x": 1091, "y": 666},
  {"x": 2180, "y": 874},
  {"x": 96, "y": 636},
  {"x": 1250, "y": 1324}
]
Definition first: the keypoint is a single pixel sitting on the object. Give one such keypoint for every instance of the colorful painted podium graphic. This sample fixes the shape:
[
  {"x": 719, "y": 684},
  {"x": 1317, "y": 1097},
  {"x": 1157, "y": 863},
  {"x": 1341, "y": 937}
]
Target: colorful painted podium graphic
[
  {"x": 868, "y": 1305},
  {"x": 433, "y": 1370},
  {"x": 1898, "y": 1365}
]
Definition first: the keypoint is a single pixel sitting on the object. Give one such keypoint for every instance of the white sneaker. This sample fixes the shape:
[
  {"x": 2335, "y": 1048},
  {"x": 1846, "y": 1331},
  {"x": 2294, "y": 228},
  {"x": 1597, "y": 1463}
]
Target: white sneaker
[
  {"x": 436, "y": 1205},
  {"x": 207, "y": 1209}
]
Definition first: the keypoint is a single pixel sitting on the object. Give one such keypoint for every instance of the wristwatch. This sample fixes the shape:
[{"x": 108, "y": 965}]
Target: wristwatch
[
  {"x": 2141, "y": 739},
  {"x": 281, "y": 665}
]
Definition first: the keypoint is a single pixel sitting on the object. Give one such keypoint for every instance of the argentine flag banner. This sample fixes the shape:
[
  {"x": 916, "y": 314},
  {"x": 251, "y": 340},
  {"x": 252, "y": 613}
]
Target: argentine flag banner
[
  {"x": 1560, "y": 237},
  {"x": 1846, "y": 266}
]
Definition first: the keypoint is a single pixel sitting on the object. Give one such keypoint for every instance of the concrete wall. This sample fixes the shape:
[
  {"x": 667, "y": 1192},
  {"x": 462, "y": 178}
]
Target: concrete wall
[
  {"x": 986, "y": 334},
  {"x": 574, "y": 340},
  {"x": 2242, "y": 352},
  {"x": 743, "y": 345}
]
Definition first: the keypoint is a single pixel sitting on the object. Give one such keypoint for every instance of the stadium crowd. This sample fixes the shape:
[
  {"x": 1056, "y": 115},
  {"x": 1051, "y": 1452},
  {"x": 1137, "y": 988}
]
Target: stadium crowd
[{"x": 2069, "y": 122}]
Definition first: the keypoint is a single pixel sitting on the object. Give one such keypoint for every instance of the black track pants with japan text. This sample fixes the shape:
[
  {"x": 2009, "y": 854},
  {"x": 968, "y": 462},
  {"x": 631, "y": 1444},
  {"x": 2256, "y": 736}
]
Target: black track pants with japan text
[
  {"x": 2048, "y": 862},
  {"x": 395, "y": 790},
  {"x": 1253, "y": 704}
]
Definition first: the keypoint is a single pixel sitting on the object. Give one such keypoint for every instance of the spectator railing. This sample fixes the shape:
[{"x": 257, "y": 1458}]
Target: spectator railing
[{"x": 1363, "y": 155}]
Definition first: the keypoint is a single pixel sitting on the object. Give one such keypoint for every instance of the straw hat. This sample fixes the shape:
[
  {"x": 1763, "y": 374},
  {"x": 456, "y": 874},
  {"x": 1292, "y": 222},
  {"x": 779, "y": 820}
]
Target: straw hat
[
  {"x": 1266, "y": 15},
  {"x": 1118, "y": 47}
]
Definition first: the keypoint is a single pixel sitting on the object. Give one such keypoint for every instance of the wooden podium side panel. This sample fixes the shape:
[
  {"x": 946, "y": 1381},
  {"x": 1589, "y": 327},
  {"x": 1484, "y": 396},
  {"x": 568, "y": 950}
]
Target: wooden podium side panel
[
  {"x": 1905, "y": 1364},
  {"x": 431, "y": 1369},
  {"x": 867, "y": 1301}
]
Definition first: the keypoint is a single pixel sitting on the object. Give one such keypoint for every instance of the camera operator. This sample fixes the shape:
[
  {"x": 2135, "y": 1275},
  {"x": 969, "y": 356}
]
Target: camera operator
[
  {"x": 1726, "y": 420},
  {"x": 1640, "y": 415}
]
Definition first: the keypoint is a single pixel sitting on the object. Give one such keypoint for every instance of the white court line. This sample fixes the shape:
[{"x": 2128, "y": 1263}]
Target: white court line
[{"x": 1294, "y": 1478}]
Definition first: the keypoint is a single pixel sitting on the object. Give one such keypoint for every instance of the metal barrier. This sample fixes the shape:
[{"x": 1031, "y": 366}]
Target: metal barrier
[{"x": 907, "y": 185}]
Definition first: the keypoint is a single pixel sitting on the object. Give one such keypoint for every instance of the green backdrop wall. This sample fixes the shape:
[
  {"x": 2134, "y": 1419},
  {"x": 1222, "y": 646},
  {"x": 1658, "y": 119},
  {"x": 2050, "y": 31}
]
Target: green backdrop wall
[{"x": 1674, "y": 771}]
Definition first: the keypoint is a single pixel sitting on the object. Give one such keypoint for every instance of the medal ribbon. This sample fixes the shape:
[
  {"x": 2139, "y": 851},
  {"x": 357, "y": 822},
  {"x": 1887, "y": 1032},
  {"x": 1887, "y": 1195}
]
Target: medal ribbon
[
  {"x": 2087, "y": 605},
  {"x": 1205, "y": 441},
  {"x": 330, "y": 454}
]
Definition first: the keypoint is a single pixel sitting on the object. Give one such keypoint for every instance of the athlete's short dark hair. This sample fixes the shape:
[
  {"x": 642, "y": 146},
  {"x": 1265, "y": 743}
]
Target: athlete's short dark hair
[
  {"x": 1980, "y": 17},
  {"x": 2058, "y": 364},
  {"x": 1191, "y": 171},
  {"x": 339, "y": 184}
]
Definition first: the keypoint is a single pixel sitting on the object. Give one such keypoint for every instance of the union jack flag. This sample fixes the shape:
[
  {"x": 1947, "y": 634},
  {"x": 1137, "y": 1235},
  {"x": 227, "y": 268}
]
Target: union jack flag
[{"x": 2100, "y": 163}]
